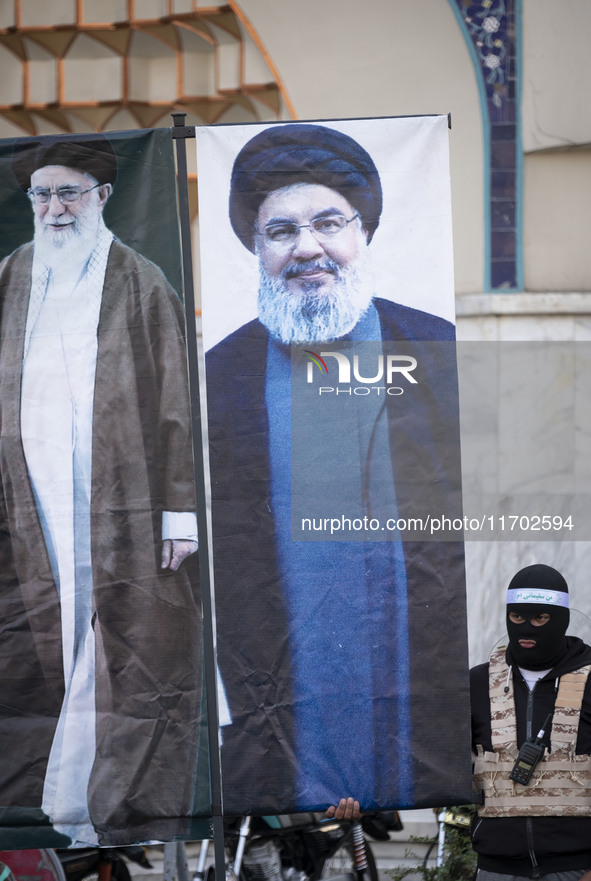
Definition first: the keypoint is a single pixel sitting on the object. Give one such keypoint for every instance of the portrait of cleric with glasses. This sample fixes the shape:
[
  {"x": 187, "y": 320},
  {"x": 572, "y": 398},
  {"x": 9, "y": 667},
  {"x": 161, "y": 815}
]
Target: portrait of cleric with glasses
[
  {"x": 97, "y": 506},
  {"x": 318, "y": 641}
]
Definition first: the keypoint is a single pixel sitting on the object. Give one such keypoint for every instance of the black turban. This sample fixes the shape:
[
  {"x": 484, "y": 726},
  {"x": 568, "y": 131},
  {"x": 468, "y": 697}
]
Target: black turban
[
  {"x": 297, "y": 153},
  {"x": 91, "y": 153}
]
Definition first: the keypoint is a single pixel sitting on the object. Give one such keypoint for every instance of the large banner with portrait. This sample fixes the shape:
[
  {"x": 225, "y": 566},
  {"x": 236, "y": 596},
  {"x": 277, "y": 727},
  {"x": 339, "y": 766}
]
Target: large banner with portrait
[
  {"x": 100, "y": 615},
  {"x": 328, "y": 327}
]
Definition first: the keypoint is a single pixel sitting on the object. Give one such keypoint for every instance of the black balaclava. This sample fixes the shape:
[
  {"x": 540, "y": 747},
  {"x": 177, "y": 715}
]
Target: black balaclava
[{"x": 537, "y": 590}]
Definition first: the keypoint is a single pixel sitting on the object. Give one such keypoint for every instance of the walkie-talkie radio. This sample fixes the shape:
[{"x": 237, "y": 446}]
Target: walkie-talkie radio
[{"x": 529, "y": 755}]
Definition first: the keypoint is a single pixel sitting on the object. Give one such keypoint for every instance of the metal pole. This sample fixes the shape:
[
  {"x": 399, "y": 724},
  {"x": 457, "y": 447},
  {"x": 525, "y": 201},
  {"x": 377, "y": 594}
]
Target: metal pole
[
  {"x": 180, "y": 132},
  {"x": 441, "y": 837},
  {"x": 175, "y": 866},
  {"x": 199, "y": 874},
  {"x": 244, "y": 830}
]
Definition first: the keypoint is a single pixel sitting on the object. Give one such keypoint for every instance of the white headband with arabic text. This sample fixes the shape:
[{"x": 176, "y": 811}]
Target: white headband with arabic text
[{"x": 543, "y": 597}]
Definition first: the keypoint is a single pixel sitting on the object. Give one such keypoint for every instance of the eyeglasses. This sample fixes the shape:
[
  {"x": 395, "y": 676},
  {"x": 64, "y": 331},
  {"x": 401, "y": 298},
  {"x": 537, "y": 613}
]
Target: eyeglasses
[
  {"x": 285, "y": 234},
  {"x": 66, "y": 195}
]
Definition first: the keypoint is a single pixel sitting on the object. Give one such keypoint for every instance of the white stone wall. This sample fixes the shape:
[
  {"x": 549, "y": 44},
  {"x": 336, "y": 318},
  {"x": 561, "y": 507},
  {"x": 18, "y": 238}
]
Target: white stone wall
[
  {"x": 556, "y": 74},
  {"x": 555, "y": 421}
]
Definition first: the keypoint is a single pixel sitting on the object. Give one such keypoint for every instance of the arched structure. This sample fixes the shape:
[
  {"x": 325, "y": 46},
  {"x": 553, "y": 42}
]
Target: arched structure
[{"x": 89, "y": 65}]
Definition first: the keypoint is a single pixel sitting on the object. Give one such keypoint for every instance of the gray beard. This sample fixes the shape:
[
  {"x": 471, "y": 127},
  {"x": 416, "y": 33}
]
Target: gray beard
[{"x": 310, "y": 316}]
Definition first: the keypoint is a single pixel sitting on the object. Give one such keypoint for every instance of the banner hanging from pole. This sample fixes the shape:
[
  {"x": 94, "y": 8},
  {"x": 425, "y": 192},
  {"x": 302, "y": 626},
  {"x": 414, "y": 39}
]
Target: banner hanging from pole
[
  {"x": 328, "y": 310},
  {"x": 100, "y": 613}
]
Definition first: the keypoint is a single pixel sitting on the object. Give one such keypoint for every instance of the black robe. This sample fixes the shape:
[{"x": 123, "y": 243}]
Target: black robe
[
  {"x": 258, "y": 758},
  {"x": 147, "y": 620}
]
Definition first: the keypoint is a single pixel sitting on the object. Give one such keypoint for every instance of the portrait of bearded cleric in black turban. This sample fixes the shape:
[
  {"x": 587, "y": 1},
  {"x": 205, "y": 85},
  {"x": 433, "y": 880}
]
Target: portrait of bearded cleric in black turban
[
  {"x": 322, "y": 654},
  {"x": 100, "y": 612}
]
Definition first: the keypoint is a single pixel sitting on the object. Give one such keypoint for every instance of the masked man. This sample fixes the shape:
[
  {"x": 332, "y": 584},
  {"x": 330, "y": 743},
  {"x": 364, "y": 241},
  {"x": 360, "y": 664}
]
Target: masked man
[
  {"x": 536, "y": 691},
  {"x": 316, "y": 646},
  {"x": 100, "y": 661}
]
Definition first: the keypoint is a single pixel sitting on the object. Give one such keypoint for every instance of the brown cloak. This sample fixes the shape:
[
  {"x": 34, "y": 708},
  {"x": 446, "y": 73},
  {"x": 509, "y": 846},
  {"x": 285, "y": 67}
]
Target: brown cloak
[{"x": 147, "y": 621}]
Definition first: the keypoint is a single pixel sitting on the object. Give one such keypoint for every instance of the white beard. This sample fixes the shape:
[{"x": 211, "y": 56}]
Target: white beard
[
  {"x": 73, "y": 246},
  {"x": 311, "y": 316}
]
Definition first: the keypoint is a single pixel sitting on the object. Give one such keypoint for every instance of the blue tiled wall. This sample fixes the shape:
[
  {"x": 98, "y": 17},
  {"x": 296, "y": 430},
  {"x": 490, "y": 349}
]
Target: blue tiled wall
[{"x": 491, "y": 28}]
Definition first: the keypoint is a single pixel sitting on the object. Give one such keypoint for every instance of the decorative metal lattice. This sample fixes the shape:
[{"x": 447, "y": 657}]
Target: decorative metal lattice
[{"x": 79, "y": 72}]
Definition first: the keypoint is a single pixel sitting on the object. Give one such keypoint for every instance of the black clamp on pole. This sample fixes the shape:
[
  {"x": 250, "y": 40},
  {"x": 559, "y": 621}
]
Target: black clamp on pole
[{"x": 179, "y": 129}]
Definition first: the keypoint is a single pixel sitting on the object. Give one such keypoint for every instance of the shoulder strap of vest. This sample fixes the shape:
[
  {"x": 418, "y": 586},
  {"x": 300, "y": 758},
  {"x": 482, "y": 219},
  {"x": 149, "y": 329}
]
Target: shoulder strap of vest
[
  {"x": 502, "y": 707},
  {"x": 565, "y": 722},
  {"x": 567, "y": 709}
]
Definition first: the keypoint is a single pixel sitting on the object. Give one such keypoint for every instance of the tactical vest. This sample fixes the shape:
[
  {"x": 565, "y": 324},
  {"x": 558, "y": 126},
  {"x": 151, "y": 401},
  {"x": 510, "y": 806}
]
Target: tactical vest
[{"x": 561, "y": 783}]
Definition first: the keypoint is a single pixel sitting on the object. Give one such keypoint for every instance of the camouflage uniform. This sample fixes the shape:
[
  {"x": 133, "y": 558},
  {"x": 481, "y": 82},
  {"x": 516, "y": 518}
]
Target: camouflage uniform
[{"x": 545, "y": 827}]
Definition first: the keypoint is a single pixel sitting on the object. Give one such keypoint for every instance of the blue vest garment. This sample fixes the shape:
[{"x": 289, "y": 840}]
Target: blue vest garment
[{"x": 347, "y": 607}]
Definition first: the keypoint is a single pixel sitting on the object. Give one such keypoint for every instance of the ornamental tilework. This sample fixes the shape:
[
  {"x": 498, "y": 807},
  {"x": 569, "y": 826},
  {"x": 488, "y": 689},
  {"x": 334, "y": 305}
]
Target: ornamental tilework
[{"x": 490, "y": 26}]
